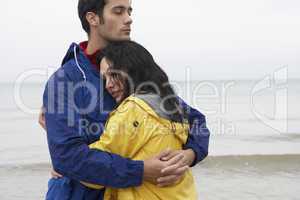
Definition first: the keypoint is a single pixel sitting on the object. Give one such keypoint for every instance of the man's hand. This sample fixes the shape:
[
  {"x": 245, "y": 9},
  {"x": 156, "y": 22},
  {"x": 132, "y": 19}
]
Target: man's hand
[
  {"x": 189, "y": 156},
  {"x": 42, "y": 118},
  {"x": 167, "y": 168},
  {"x": 171, "y": 172}
]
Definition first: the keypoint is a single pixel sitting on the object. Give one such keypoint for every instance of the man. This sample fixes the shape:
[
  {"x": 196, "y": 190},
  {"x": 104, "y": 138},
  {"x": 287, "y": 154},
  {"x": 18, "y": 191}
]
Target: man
[{"x": 77, "y": 106}]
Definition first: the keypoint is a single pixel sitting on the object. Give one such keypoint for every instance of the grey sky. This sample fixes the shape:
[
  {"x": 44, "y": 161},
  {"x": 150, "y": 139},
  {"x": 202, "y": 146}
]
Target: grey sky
[{"x": 216, "y": 39}]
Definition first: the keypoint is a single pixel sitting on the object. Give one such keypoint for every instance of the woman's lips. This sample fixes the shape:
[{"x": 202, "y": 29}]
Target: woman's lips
[{"x": 115, "y": 94}]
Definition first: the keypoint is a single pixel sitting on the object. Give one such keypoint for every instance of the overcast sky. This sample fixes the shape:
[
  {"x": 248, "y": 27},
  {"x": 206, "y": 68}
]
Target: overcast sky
[{"x": 215, "y": 39}]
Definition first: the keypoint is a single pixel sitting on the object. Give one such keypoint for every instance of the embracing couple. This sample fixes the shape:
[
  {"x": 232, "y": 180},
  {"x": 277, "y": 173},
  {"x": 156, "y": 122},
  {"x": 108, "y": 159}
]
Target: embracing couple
[{"x": 115, "y": 127}]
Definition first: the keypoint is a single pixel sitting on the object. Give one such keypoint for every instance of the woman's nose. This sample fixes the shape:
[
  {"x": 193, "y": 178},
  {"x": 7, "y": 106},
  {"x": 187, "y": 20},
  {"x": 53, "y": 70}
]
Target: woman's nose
[{"x": 109, "y": 84}]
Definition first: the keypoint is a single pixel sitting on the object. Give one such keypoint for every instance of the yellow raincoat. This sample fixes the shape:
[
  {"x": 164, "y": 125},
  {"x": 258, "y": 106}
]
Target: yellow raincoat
[{"x": 135, "y": 131}]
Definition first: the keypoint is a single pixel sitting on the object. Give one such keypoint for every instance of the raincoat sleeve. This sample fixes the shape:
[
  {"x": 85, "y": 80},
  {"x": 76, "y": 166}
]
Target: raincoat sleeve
[
  {"x": 70, "y": 153},
  {"x": 125, "y": 126},
  {"x": 198, "y": 139}
]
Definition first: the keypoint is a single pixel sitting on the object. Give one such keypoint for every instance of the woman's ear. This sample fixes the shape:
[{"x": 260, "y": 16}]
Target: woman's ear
[{"x": 92, "y": 18}]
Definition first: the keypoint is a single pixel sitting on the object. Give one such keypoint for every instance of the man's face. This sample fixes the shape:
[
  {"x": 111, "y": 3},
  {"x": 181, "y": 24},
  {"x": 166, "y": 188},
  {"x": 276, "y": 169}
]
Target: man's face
[{"x": 116, "y": 20}]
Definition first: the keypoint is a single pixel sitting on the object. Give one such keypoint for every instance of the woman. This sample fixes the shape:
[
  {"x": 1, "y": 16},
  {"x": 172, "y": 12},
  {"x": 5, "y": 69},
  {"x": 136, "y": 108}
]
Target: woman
[{"x": 147, "y": 120}]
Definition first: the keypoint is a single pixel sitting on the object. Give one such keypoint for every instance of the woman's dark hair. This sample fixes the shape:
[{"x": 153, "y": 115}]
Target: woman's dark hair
[
  {"x": 144, "y": 75},
  {"x": 84, "y": 6}
]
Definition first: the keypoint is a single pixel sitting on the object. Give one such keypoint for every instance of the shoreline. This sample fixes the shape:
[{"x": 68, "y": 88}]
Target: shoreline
[{"x": 209, "y": 159}]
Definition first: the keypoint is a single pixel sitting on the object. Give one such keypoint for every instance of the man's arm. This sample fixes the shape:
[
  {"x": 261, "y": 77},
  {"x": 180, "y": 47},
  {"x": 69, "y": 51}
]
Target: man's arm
[
  {"x": 195, "y": 149},
  {"x": 198, "y": 139},
  {"x": 124, "y": 141},
  {"x": 72, "y": 157},
  {"x": 69, "y": 152}
]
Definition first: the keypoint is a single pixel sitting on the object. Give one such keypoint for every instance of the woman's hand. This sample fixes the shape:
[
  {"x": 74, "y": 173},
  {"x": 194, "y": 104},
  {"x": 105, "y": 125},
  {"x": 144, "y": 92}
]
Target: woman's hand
[
  {"x": 42, "y": 118},
  {"x": 55, "y": 175}
]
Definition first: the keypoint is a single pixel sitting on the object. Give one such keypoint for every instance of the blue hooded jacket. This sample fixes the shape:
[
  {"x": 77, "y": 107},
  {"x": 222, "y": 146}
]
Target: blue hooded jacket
[{"x": 76, "y": 108}]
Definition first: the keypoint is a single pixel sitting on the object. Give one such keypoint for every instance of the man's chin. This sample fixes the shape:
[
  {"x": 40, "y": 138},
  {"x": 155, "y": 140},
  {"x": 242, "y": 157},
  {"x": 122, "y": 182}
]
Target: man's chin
[{"x": 123, "y": 38}]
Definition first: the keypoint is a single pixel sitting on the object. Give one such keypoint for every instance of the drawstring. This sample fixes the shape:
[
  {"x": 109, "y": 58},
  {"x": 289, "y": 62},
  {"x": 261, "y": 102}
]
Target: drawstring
[{"x": 78, "y": 66}]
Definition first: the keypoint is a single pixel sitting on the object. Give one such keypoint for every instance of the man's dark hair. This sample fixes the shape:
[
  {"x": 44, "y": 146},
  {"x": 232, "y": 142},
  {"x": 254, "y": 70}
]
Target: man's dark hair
[{"x": 85, "y": 6}]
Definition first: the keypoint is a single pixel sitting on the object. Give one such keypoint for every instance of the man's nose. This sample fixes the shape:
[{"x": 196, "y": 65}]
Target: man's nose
[{"x": 128, "y": 20}]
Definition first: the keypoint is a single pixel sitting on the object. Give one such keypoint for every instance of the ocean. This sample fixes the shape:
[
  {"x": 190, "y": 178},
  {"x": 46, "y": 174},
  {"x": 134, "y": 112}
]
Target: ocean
[{"x": 254, "y": 147}]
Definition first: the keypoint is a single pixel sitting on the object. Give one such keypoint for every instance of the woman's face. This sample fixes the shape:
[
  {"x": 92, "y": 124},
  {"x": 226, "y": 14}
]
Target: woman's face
[{"x": 114, "y": 86}]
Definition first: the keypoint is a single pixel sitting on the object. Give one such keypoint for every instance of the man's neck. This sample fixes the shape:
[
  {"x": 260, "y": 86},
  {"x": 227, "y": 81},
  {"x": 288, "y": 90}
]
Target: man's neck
[{"x": 95, "y": 44}]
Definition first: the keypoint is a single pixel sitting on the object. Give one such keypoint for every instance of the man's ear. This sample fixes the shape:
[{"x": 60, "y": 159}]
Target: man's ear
[{"x": 92, "y": 18}]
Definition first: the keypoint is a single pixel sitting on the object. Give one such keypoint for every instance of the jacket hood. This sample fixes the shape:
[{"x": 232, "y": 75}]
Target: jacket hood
[{"x": 76, "y": 54}]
